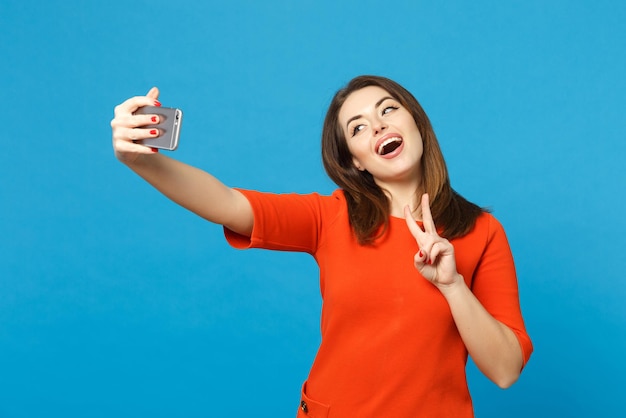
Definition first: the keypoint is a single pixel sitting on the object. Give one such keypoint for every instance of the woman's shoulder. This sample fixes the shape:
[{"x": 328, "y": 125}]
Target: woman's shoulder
[
  {"x": 490, "y": 221},
  {"x": 485, "y": 228},
  {"x": 335, "y": 202},
  {"x": 336, "y": 198},
  {"x": 318, "y": 202},
  {"x": 484, "y": 241},
  {"x": 338, "y": 194}
]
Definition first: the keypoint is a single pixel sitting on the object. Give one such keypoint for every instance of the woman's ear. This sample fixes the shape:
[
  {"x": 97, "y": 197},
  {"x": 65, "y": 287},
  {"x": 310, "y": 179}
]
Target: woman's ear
[{"x": 357, "y": 164}]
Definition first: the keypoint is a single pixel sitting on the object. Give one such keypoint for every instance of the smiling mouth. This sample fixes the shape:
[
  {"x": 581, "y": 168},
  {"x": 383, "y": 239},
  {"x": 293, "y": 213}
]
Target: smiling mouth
[{"x": 389, "y": 145}]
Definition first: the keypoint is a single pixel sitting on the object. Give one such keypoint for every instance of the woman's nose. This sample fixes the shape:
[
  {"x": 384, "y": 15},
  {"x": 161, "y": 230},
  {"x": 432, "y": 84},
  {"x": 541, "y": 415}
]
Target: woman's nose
[{"x": 379, "y": 126}]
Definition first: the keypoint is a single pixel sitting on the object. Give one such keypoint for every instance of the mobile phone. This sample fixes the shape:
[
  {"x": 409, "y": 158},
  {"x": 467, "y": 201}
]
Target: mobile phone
[{"x": 170, "y": 121}]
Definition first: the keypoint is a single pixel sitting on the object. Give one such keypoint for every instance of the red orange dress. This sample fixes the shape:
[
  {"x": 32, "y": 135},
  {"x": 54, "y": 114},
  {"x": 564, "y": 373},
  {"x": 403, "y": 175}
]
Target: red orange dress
[{"x": 389, "y": 345}]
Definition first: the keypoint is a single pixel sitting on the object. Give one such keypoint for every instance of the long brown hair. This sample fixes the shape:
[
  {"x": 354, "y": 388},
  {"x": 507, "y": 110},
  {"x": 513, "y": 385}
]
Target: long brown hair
[{"x": 368, "y": 206}]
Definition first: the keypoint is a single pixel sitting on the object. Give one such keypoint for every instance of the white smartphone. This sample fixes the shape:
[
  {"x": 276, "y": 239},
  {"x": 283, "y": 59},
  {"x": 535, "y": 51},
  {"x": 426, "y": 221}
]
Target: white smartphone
[{"x": 170, "y": 121}]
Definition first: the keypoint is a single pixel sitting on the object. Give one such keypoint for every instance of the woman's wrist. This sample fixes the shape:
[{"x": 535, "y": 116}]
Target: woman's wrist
[{"x": 450, "y": 290}]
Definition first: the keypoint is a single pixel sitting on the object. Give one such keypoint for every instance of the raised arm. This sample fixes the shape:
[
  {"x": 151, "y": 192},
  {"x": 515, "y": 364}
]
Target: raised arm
[
  {"x": 188, "y": 186},
  {"x": 492, "y": 345}
]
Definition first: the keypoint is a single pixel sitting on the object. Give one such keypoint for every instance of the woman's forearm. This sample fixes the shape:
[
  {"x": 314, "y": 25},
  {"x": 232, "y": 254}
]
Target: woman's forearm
[
  {"x": 196, "y": 190},
  {"x": 492, "y": 345}
]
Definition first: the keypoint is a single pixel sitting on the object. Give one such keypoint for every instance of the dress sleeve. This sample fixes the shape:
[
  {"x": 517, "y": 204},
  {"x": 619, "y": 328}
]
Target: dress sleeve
[
  {"x": 284, "y": 222},
  {"x": 495, "y": 285}
]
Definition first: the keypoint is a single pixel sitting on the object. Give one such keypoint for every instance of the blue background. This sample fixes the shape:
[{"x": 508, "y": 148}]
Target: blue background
[{"x": 116, "y": 302}]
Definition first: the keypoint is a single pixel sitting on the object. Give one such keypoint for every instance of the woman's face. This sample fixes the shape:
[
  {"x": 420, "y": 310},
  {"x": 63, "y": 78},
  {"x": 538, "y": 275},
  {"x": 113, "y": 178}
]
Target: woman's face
[{"x": 381, "y": 135}]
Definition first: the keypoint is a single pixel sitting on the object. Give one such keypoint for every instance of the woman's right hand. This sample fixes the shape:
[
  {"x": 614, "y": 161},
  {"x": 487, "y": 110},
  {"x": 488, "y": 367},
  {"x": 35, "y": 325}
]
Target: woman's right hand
[{"x": 128, "y": 128}]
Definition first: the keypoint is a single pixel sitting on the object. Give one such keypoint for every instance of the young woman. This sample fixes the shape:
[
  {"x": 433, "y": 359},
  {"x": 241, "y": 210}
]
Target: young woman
[{"x": 404, "y": 300}]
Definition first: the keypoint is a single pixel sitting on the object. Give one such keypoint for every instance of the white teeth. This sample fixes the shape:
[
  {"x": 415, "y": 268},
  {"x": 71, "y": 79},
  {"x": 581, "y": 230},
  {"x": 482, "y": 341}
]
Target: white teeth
[{"x": 388, "y": 141}]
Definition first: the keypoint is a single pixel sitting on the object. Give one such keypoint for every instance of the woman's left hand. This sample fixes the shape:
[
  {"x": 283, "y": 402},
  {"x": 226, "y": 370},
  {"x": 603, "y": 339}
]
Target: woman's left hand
[{"x": 435, "y": 258}]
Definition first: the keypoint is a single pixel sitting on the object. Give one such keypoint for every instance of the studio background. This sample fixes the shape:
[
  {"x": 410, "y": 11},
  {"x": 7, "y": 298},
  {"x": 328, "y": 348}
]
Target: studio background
[{"x": 116, "y": 302}]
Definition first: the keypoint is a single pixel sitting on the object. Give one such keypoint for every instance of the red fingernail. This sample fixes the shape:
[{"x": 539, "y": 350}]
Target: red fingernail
[
  {"x": 157, "y": 103},
  {"x": 421, "y": 254},
  {"x": 154, "y": 119},
  {"x": 154, "y": 149},
  {"x": 153, "y": 132}
]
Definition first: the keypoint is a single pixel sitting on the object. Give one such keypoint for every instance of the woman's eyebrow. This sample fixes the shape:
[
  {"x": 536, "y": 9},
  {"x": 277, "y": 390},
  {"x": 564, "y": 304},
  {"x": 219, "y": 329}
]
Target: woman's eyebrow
[{"x": 378, "y": 103}]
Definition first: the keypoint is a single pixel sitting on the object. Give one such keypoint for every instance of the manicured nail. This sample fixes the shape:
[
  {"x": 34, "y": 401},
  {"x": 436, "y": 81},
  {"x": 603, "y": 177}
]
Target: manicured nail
[
  {"x": 157, "y": 103},
  {"x": 153, "y": 132},
  {"x": 421, "y": 254},
  {"x": 154, "y": 119},
  {"x": 154, "y": 149}
]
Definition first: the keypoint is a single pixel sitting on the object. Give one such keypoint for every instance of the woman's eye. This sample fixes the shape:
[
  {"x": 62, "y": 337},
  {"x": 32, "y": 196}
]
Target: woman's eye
[
  {"x": 357, "y": 129},
  {"x": 389, "y": 109}
]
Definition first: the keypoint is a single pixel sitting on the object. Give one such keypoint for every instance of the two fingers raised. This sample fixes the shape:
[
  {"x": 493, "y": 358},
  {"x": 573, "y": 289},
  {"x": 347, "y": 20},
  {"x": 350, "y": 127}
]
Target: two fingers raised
[{"x": 427, "y": 238}]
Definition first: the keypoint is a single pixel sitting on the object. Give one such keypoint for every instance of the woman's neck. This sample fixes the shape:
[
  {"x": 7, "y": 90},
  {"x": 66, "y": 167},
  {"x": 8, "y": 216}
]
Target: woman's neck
[{"x": 401, "y": 195}]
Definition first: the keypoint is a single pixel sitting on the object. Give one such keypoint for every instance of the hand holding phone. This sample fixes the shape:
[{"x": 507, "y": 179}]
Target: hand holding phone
[{"x": 170, "y": 121}]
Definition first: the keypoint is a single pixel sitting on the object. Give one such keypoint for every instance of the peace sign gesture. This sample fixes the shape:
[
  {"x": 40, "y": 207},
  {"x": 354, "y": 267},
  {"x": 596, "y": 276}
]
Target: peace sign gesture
[{"x": 435, "y": 258}]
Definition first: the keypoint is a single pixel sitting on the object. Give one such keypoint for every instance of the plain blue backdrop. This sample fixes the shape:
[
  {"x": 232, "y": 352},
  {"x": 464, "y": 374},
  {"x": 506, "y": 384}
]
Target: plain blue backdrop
[{"x": 116, "y": 302}]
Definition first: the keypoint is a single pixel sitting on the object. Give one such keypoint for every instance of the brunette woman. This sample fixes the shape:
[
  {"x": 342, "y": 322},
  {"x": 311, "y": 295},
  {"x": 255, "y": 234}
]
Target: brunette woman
[{"x": 413, "y": 276}]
